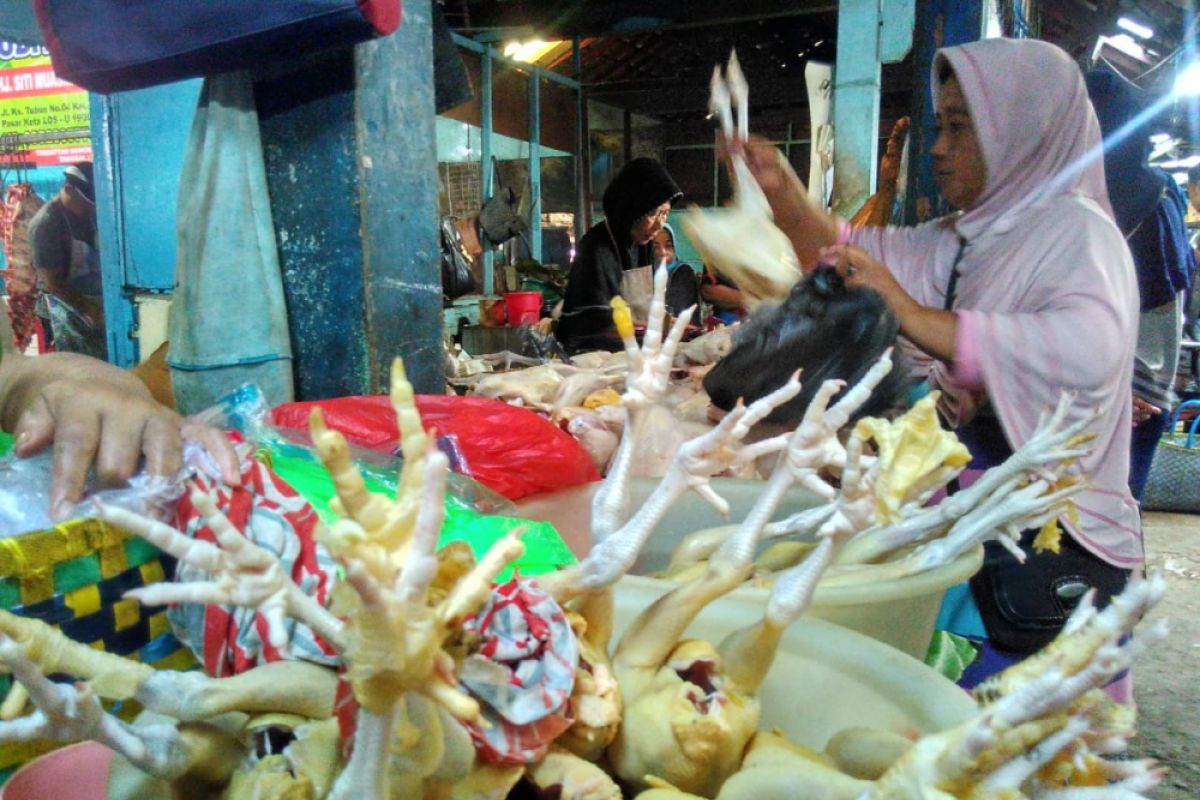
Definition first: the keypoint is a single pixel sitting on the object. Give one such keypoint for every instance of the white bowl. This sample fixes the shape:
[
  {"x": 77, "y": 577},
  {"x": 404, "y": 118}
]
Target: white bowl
[
  {"x": 901, "y": 612},
  {"x": 825, "y": 678}
]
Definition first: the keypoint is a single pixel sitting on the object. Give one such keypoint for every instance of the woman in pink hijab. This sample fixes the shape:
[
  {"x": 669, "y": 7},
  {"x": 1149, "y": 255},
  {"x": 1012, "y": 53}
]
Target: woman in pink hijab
[{"x": 1027, "y": 291}]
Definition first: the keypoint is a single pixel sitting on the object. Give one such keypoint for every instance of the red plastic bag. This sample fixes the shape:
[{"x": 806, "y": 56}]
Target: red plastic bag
[{"x": 510, "y": 450}]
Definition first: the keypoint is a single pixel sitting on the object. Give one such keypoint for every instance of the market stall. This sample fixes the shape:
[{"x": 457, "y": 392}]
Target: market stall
[{"x": 805, "y": 477}]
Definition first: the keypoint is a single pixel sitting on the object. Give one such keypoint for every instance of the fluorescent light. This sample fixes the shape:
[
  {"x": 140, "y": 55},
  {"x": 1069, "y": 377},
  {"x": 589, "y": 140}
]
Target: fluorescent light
[
  {"x": 528, "y": 51},
  {"x": 1187, "y": 82},
  {"x": 1179, "y": 163},
  {"x": 1125, "y": 43},
  {"x": 1136, "y": 28}
]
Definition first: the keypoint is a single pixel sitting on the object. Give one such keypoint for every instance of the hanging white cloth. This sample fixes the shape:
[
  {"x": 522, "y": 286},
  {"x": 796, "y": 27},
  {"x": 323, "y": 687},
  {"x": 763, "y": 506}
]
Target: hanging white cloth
[{"x": 228, "y": 320}]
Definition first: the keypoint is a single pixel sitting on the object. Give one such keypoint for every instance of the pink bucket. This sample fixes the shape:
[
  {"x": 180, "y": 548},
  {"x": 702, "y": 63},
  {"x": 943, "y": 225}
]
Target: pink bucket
[
  {"x": 79, "y": 771},
  {"x": 524, "y": 308}
]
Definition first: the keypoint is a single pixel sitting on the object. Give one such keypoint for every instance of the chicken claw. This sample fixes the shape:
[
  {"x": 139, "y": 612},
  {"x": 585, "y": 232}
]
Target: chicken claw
[
  {"x": 244, "y": 574},
  {"x": 1045, "y": 724},
  {"x": 694, "y": 462},
  {"x": 72, "y": 713},
  {"x": 650, "y": 364}
]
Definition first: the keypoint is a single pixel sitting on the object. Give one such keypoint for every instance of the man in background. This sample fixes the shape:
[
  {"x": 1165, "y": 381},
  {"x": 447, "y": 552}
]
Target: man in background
[
  {"x": 62, "y": 236},
  {"x": 1193, "y": 217}
]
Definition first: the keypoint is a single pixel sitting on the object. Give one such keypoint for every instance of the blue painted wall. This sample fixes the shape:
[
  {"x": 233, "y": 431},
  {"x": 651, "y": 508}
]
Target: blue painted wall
[
  {"x": 138, "y": 142},
  {"x": 940, "y": 23}
]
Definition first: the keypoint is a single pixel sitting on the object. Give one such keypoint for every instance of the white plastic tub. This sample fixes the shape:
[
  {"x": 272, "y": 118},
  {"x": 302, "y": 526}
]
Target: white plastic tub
[
  {"x": 901, "y": 613},
  {"x": 825, "y": 678}
]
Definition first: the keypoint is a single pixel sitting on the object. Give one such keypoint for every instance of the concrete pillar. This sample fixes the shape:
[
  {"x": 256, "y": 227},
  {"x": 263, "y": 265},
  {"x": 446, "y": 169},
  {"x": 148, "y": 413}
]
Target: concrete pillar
[
  {"x": 351, "y": 158},
  {"x": 870, "y": 33}
]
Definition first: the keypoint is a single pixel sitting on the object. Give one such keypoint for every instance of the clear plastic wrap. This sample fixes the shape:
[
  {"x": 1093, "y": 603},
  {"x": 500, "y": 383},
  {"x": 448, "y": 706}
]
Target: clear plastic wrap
[{"x": 25, "y": 490}]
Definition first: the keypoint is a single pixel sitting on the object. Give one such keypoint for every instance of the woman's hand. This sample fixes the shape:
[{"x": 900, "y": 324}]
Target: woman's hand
[
  {"x": 807, "y": 225},
  {"x": 767, "y": 164},
  {"x": 1143, "y": 411},
  {"x": 93, "y": 412},
  {"x": 858, "y": 268},
  {"x": 931, "y": 329}
]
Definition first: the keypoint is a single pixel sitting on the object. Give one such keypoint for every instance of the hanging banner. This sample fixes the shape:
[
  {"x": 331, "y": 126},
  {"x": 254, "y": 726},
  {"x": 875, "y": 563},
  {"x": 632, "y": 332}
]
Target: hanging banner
[{"x": 34, "y": 102}]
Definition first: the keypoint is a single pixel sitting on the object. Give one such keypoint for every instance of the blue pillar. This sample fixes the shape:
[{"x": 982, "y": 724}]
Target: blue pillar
[
  {"x": 349, "y": 144},
  {"x": 535, "y": 165},
  {"x": 870, "y": 33},
  {"x": 398, "y": 186},
  {"x": 485, "y": 159},
  {"x": 583, "y": 168},
  {"x": 119, "y": 315},
  {"x": 939, "y": 23}
]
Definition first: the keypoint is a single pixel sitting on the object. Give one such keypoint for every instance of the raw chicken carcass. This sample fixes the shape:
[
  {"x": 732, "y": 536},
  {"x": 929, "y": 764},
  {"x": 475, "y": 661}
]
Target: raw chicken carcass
[
  {"x": 576, "y": 388},
  {"x": 597, "y": 438},
  {"x": 534, "y": 386},
  {"x": 20, "y": 278},
  {"x": 709, "y": 348},
  {"x": 741, "y": 240}
]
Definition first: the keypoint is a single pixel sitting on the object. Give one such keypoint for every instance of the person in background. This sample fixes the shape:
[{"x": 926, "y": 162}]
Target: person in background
[
  {"x": 1190, "y": 386},
  {"x": 683, "y": 288},
  {"x": 615, "y": 257},
  {"x": 62, "y": 236},
  {"x": 723, "y": 295},
  {"x": 1193, "y": 193},
  {"x": 1027, "y": 292},
  {"x": 1150, "y": 211},
  {"x": 95, "y": 413}
]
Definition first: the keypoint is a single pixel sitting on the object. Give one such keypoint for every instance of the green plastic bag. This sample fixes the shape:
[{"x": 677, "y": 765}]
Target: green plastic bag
[
  {"x": 950, "y": 654},
  {"x": 545, "y": 551}
]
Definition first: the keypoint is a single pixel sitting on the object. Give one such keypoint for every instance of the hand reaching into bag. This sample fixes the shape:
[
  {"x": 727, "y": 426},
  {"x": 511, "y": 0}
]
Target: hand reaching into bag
[{"x": 95, "y": 413}]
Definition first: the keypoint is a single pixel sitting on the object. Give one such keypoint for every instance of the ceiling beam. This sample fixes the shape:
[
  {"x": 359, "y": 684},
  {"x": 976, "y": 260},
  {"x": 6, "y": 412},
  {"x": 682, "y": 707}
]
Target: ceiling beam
[{"x": 553, "y": 18}]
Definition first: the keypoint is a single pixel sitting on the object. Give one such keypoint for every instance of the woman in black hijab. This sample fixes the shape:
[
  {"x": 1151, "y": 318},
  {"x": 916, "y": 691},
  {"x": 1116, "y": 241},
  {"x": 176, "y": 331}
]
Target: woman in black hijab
[
  {"x": 614, "y": 253},
  {"x": 1150, "y": 210}
]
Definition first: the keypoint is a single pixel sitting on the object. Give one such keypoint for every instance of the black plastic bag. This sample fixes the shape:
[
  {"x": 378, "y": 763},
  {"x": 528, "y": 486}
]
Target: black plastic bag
[{"x": 824, "y": 328}]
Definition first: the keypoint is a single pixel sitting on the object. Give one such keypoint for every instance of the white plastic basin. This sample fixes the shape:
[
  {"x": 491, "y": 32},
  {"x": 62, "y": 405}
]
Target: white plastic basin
[
  {"x": 901, "y": 613},
  {"x": 825, "y": 678}
]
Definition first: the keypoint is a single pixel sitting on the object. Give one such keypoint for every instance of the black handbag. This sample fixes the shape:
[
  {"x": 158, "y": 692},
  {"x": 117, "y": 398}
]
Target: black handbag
[
  {"x": 1024, "y": 606},
  {"x": 457, "y": 279},
  {"x": 115, "y": 45}
]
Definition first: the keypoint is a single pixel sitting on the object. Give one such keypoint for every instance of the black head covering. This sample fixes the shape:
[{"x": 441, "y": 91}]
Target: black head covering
[
  {"x": 1133, "y": 187},
  {"x": 641, "y": 186},
  {"x": 1149, "y": 208}
]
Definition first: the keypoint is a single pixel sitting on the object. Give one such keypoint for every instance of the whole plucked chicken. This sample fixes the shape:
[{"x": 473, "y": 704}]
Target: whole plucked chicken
[{"x": 741, "y": 240}]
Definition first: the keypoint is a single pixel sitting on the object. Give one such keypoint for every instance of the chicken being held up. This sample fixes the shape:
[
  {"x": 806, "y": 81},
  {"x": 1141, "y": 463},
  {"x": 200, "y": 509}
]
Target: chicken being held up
[{"x": 740, "y": 240}]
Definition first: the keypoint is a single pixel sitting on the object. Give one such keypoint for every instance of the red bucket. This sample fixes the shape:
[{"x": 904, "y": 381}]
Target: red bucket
[
  {"x": 79, "y": 771},
  {"x": 524, "y": 308}
]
